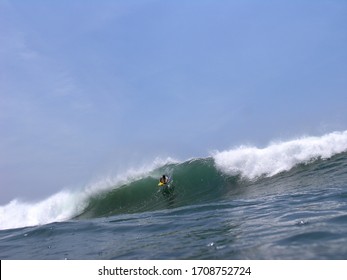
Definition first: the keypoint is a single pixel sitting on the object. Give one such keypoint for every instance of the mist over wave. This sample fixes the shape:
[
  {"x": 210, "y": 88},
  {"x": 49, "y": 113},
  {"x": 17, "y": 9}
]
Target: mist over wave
[{"x": 196, "y": 181}]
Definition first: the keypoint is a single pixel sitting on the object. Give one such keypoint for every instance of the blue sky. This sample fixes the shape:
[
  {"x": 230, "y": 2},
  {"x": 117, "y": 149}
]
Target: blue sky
[{"x": 92, "y": 87}]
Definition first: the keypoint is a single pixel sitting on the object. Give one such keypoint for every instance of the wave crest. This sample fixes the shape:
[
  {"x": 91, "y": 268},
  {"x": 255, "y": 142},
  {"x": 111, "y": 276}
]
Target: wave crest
[{"x": 253, "y": 162}]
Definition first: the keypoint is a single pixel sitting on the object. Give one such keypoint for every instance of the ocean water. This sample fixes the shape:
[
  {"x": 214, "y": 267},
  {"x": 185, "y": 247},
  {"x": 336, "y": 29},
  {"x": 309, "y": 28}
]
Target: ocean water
[{"x": 284, "y": 201}]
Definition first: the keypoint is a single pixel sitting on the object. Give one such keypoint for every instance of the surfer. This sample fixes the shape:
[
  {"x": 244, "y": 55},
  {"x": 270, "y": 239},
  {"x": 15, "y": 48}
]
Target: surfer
[
  {"x": 166, "y": 188},
  {"x": 163, "y": 180}
]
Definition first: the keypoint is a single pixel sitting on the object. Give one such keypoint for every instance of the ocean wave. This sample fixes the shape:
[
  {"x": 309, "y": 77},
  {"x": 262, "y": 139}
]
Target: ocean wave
[{"x": 196, "y": 181}]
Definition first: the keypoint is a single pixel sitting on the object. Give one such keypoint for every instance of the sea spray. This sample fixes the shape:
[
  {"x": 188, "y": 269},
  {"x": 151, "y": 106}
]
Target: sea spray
[{"x": 252, "y": 162}]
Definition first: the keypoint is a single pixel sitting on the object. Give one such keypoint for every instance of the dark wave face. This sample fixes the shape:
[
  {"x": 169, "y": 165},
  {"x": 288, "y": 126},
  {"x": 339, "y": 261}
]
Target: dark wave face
[{"x": 193, "y": 182}]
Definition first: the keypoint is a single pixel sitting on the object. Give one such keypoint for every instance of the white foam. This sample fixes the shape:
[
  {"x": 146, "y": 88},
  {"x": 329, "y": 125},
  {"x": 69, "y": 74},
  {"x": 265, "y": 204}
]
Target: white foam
[
  {"x": 58, "y": 207},
  {"x": 252, "y": 162},
  {"x": 65, "y": 205}
]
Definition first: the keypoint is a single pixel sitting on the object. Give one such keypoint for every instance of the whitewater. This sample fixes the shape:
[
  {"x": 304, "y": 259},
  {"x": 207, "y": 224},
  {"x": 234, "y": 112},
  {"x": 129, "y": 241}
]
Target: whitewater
[{"x": 287, "y": 200}]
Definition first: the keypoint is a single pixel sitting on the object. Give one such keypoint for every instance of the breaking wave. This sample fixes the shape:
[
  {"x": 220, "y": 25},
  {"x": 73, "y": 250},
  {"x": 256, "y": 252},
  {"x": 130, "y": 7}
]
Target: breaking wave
[{"x": 201, "y": 180}]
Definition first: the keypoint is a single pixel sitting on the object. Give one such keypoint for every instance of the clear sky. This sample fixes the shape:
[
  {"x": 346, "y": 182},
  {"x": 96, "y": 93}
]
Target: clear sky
[{"x": 92, "y": 87}]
